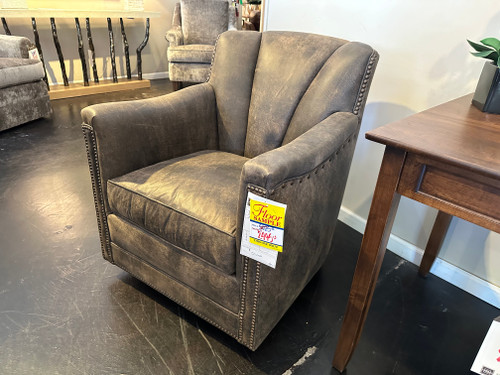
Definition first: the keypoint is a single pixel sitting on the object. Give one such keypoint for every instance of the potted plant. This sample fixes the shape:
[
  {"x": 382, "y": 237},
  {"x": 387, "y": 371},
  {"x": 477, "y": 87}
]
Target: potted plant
[{"x": 487, "y": 94}]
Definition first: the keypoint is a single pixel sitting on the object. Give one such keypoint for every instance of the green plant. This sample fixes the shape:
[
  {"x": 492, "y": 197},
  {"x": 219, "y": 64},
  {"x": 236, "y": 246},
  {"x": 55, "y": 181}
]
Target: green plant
[{"x": 488, "y": 49}]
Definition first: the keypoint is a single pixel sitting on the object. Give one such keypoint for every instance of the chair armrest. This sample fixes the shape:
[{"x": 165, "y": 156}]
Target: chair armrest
[
  {"x": 308, "y": 175},
  {"x": 15, "y": 46},
  {"x": 302, "y": 155},
  {"x": 175, "y": 36},
  {"x": 133, "y": 134}
]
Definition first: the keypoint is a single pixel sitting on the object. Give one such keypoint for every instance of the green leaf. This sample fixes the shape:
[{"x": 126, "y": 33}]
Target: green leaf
[
  {"x": 479, "y": 47},
  {"x": 492, "y": 42},
  {"x": 487, "y": 55}
]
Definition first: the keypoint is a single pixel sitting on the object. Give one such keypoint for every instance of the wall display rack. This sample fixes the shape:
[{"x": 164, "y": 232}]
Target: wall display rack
[{"x": 76, "y": 89}]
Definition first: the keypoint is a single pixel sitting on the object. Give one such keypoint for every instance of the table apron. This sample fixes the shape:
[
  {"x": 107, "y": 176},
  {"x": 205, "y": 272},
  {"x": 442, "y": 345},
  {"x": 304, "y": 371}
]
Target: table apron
[{"x": 456, "y": 191}]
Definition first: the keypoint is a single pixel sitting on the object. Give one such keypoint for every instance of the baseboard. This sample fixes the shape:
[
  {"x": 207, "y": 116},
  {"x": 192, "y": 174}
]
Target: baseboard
[
  {"x": 456, "y": 276},
  {"x": 156, "y": 75},
  {"x": 149, "y": 76}
]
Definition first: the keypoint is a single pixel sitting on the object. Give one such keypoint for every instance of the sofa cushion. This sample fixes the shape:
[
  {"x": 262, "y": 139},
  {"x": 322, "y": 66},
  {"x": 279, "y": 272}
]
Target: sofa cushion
[
  {"x": 203, "y": 20},
  {"x": 192, "y": 53},
  {"x": 14, "y": 71},
  {"x": 190, "y": 202}
]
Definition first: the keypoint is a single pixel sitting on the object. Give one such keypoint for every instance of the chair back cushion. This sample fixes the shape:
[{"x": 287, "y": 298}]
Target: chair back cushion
[
  {"x": 203, "y": 20},
  {"x": 288, "y": 83}
]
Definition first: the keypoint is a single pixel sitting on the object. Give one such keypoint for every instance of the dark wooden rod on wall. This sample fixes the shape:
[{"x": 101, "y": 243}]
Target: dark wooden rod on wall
[
  {"x": 92, "y": 50},
  {"x": 139, "y": 50},
  {"x": 81, "y": 52},
  {"x": 112, "y": 50},
  {"x": 5, "y": 26},
  {"x": 126, "y": 49},
  {"x": 59, "y": 51},
  {"x": 39, "y": 48}
]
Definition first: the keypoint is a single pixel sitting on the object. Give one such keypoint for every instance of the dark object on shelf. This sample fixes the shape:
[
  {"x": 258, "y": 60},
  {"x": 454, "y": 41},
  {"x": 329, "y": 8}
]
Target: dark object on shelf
[
  {"x": 171, "y": 174},
  {"x": 248, "y": 26},
  {"x": 255, "y": 19},
  {"x": 487, "y": 94}
]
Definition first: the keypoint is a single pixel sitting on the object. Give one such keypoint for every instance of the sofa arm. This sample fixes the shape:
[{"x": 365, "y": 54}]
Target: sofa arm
[
  {"x": 15, "y": 46},
  {"x": 308, "y": 175}
]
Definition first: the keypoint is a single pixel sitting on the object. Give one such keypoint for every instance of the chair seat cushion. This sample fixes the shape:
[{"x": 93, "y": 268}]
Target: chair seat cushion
[
  {"x": 14, "y": 71},
  {"x": 189, "y": 201},
  {"x": 191, "y": 53}
]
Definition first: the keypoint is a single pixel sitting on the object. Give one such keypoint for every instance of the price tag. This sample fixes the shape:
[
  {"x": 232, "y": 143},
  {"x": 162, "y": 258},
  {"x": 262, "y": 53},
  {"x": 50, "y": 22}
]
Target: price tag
[
  {"x": 263, "y": 229},
  {"x": 488, "y": 358},
  {"x": 33, "y": 54}
]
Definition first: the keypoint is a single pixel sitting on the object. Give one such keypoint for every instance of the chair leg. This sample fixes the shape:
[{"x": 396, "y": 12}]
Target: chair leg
[{"x": 177, "y": 85}]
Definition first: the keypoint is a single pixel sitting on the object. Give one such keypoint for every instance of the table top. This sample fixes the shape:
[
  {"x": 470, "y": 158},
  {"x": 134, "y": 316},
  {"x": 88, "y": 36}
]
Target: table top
[
  {"x": 455, "y": 132},
  {"x": 77, "y": 13}
]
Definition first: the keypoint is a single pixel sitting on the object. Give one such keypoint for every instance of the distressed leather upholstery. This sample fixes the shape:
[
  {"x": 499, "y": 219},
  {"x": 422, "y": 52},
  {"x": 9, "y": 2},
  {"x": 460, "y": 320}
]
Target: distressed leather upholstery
[
  {"x": 171, "y": 174},
  {"x": 23, "y": 93},
  {"x": 196, "y": 25}
]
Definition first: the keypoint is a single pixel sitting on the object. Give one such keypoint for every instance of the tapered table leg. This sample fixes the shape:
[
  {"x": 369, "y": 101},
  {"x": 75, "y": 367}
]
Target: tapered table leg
[
  {"x": 140, "y": 48},
  {"x": 39, "y": 48},
  {"x": 112, "y": 50},
  {"x": 126, "y": 48},
  {"x": 59, "y": 51},
  {"x": 435, "y": 241},
  {"x": 378, "y": 228},
  {"x": 92, "y": 50},
  {"x": 81, "y": 52}
]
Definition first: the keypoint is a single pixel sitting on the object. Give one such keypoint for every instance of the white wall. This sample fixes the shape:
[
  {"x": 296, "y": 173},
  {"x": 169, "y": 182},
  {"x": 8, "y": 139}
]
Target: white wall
[
  {"x": 424, "y": 61},
  {"x": 154, "y": 55}
]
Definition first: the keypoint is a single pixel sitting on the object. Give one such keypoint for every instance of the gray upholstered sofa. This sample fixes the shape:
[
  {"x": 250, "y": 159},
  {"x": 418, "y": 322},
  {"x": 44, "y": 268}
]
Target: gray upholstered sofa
[
  {"x": 196, "y": 25},
  {"x": 171, "y": 174},
  {"x": 23, "y": 93}
]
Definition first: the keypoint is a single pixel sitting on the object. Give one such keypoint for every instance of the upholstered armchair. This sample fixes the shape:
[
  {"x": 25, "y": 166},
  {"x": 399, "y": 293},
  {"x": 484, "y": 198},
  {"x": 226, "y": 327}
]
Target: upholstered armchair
[
  {"x": 196, "y": 25},
  {"x": 171, "y": 174},
  {"x": 23, "y": 93}
]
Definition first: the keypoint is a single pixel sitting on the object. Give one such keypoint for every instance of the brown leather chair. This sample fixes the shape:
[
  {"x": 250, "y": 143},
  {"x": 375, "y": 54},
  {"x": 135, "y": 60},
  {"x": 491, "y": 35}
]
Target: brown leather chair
[{"x": 171, "y": 174}]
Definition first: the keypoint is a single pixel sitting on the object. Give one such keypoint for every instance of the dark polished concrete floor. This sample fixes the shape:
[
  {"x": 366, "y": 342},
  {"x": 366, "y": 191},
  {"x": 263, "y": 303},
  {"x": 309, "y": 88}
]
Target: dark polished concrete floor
[{"x": 64, "y": 310}]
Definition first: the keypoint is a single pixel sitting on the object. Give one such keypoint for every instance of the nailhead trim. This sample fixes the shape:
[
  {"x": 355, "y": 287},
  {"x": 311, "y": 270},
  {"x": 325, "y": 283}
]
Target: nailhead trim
[
  {"x": 254, "y": 310},
  {"x": 263, "y": 192},
  {"x": 315, "y": 171},
  {"x": 258, "y": 190},
  {"x": 243, "y": 298},
  {"x": 213, "y": 58},
  {"x": 366, "y": 78},
  {"x": 97, "y": 190}
]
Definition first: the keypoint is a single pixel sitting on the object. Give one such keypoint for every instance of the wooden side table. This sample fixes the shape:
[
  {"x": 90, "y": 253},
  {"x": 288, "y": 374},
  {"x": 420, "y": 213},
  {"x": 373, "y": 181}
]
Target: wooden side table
[{"x": 447, "y": 157}]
